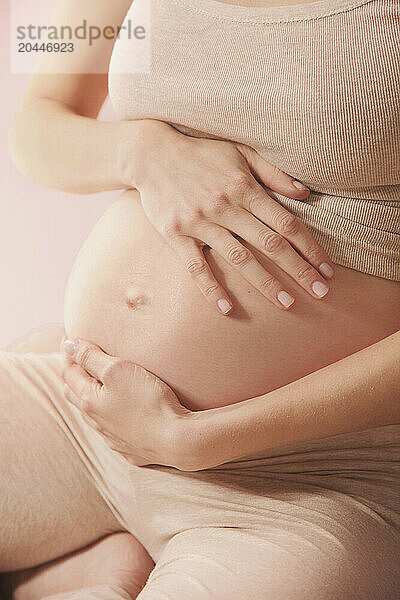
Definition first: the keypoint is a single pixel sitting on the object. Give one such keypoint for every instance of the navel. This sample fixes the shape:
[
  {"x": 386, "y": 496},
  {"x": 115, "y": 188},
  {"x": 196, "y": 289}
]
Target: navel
[{"x": 136, "y": 299}]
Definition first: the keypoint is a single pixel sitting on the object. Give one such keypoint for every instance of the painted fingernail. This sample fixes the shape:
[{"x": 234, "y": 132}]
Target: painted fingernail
[
  {"x": 326, "y": 270},
  {"x": 285, "y": 299},
  {"x": 224, "y": 306},
  {"x": 319, "y": 288},
  {"x": 70, "y": 347},
  {"x": 299, "y": 185}
]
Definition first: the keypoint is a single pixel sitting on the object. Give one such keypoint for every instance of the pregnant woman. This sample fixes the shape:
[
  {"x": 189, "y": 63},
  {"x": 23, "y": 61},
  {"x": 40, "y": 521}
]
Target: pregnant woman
[{"x": 278, "y": 474}]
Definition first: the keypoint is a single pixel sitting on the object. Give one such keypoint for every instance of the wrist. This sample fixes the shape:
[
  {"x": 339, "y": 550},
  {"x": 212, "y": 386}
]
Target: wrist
[
  {"x": 186, "y": 443},
  {"x": 139, "y": 140},
  {"x": 219, "y": 435},
  {"x": 194, "y": 441}
]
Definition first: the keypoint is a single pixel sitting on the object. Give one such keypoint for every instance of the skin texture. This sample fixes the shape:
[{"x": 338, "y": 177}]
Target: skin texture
[
  {"x": 140, "y": 417},
  {"x": 230, "y": 200},
  {"x": 128, "y": 294},
  {"x": 161, "y": 334},
  {"x": 346, "y": 396},
  {"x": 96, "y": 156}
]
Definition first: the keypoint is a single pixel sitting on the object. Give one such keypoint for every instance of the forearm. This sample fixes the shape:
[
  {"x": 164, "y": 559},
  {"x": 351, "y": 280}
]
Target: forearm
[
  {"x": 58, "y": 148},
  {"x": 359, "y": 392}
]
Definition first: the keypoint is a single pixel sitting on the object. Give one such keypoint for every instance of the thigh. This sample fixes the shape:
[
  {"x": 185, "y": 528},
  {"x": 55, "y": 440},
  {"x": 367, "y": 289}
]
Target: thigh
[
  {"x": 49, "y": 506},
  {"x": 235, "y": 563}
]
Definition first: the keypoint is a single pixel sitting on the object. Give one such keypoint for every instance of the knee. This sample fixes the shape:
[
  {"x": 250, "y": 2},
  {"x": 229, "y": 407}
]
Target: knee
[
  {"x": 191, "y": 567},
  {"x": 212, "y": 563},
  {"x": 215, "y": 564}
]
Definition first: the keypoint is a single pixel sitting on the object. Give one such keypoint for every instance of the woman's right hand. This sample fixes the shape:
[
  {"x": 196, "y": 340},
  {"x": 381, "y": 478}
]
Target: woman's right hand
[
  {"x": 201, "y": 191},
  {"x": 135, "y": 412}
]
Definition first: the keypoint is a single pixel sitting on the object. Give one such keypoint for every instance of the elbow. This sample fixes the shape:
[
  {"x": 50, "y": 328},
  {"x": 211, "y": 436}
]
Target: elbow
[
  {"x": 24, "y": 147},
  {"x": 35, "y": 156},
  {"x": 17, "y": 146},
  {"x": 22, "y": 151}
]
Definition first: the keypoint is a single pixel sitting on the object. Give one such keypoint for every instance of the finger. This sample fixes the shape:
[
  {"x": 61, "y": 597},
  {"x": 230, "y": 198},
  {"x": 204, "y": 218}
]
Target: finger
[
  {"x": 273, "y": 214},
  {"x": 241, "y": 259},
  {"x": 90, "y": 357},
  {"x": 95, "y": 421},
  {"x": 111, "y": 440},
  {"x": 75, "y": 400},
  {"x": 272, "y": 176},
  {"x": 199, "y": 269},
  {"x": 85, "y": 388},
  {"x": 279, "y": 250}
]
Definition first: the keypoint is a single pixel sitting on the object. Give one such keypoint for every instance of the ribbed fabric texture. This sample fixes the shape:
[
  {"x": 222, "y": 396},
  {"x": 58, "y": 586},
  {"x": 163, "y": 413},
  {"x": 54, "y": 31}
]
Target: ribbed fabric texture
[
  {"x": 96, "y": 592},
  {"x": 315, "y": 89}
]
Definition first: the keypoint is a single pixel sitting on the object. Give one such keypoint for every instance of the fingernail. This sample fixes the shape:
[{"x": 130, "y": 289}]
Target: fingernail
[
  {"x": 224, "y": 306},
  {"x": 70, "y": 346},
  {"x": 326, "y": 270},
  {"x": 299, "y": 185},
  {"x": 285, "y": 299},
  {"x": 319, "y": 288}
]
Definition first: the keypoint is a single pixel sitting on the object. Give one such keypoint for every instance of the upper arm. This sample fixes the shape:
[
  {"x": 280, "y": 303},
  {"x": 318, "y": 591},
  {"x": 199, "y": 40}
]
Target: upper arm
[{"x": 78, "y": 79}]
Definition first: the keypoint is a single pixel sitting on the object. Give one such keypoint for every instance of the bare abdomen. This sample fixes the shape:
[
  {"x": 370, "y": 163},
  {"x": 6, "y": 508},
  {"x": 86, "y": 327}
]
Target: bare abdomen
[{"x": 129, "y": 293}]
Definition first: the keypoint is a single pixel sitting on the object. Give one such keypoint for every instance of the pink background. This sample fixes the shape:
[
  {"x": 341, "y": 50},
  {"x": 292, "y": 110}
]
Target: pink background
[{"x": 41, "y": 230}]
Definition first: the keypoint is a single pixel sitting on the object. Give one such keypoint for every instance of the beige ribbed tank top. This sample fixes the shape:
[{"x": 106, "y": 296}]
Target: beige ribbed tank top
[{"x": 314, "y": 88}]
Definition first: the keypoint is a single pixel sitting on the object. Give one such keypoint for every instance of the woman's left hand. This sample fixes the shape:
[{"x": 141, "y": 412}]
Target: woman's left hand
[{"x": 136, "y": 413}]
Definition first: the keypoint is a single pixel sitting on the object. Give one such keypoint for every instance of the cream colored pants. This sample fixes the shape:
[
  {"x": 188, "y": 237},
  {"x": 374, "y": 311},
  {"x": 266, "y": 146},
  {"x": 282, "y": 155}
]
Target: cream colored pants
[{"x": 316, "y": 521}]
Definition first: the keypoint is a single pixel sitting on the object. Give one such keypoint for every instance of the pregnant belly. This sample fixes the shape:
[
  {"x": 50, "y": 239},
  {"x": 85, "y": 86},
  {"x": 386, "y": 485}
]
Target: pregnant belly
[{"x": 129, "y": 293}]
